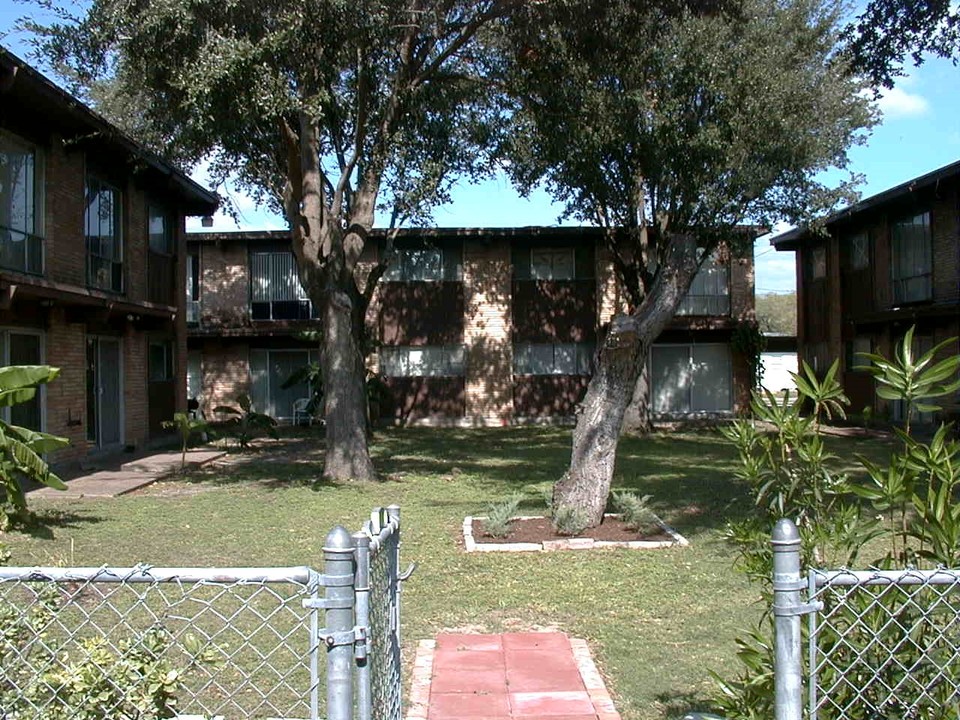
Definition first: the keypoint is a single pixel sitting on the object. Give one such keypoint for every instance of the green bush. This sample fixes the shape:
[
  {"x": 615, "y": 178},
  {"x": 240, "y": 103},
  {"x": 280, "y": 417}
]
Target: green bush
[
  {"x": 187, "y": 427},
  {"x": 569, "y": 520},
  {"x": 499, "y": 516},
  {"x": 908, "y": 503},
  {"x": 635, "y": 512},
  {"x": 246, "y": 423}
]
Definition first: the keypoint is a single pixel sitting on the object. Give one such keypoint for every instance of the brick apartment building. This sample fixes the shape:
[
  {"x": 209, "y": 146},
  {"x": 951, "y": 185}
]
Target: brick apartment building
[
  {"x": 473, "y": 326},
  {"x": 886, "y": 263},
  {"x": 92, "y": 244}
]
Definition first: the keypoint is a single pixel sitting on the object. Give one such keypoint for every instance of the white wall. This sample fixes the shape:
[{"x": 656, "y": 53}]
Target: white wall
[{"x": 777, "y": 367}]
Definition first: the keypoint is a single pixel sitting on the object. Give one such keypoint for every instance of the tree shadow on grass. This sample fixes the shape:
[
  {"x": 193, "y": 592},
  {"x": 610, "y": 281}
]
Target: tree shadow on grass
[
  {"x": 44, "y": 522},
  {"x": 677, "y": 704}
]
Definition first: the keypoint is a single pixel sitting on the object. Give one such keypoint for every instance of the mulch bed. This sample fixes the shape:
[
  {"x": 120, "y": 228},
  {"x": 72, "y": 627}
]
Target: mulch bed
[{"x": 536, "y": 530}]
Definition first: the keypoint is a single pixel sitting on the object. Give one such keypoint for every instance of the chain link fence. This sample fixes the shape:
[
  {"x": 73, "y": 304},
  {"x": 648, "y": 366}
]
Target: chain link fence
[
  {"x": 881, "y": 644},
  {"x": 247, "y": 643}
]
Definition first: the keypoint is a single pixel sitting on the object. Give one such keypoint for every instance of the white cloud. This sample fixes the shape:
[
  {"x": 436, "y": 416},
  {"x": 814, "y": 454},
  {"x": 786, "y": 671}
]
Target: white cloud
[{"x": 898, "y": 103}]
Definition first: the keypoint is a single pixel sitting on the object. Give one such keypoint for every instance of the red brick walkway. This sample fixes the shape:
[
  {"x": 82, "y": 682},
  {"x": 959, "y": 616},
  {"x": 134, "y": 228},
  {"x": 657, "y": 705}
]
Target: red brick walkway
[{"x": 514, "y": 675}]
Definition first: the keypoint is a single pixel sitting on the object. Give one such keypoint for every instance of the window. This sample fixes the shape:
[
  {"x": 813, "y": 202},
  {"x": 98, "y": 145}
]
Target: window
[
  {"x": 553, "y": 358},
  {"x": 21, "y": 206},
  {"x": 160, "y": 229},
  {"x": 160, "y": 361},
  {"x": 687, "y": 379},
  {"x": 194, "y": 375},
  {"x": 858, "y": 251},
  {"x": 269, "y": 372},
  {"x": 23, "y": 347},
  {"x": 709, "y": 292},
  {"x": 552, "y": 264},
  {"x": 422, "y": 360},
  {"x": 275, "y": 289},
  {"x": 102, "y": 227},
  {"x": 855, "y": 349},
  {"x": 912, "y": 250},
  {"x": 193, "y": 288},
  {"x": 818, "y": 263},
  {"x": 426, "y": 264}
]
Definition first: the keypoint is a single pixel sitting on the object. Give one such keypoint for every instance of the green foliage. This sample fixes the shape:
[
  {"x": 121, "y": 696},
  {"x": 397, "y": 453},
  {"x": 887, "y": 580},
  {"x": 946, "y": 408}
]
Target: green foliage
[
  {"x": 21, "y": 449},
  {"x": 777, "y": 313},
  {"x": 246, "y": 423},
  {"x": 312, "y": 375},
  {"x": 569, "y": 520},
  {"x": 789, "y": 473},
  {"x": 635, "y": 511},
  {"x": 499, "y": 515},
  {"x": 187, "y": 427},
  {"x": 750, "y": 342}
]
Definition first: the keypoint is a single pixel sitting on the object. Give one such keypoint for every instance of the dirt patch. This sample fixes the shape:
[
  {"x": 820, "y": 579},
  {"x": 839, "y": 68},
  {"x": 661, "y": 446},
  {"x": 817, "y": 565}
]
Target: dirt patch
[{"x": 538, "y": 530}]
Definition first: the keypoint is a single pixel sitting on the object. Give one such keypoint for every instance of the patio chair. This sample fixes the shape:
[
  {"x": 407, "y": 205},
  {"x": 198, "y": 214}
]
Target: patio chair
[{"x": 301, "y": 411}]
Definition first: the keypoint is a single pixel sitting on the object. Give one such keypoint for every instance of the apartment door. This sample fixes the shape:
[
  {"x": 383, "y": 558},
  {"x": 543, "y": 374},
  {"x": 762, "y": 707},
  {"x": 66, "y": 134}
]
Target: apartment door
[{"x": 104, "y": 392}]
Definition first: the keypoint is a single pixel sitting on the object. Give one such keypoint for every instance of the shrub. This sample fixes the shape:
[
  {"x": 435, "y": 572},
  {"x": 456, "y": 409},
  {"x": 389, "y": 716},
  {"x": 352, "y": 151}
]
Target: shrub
[
  {"x": 246, "y": 423},
  {"x": 187, "y": 427},
  {"x": 499, "y": 516},
  {"x": 569, "y": 520},
  {"x": 636, "y": 512},
  {"x": 21, "y": 449}
]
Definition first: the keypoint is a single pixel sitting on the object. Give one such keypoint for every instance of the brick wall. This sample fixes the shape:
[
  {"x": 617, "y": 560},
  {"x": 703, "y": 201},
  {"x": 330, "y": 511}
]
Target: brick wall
[
  {"x": 224, "y": 284},
  {"x": 487, "y": 331},
  {"x": 945, "y": 224},
  {"x": 742, "y": 281},
  {"x": 134, "y": 349},
  {"x": 66, "y": 397},
  {"x": 226, "y": 374},
  {"x": 65, "y": 246}
]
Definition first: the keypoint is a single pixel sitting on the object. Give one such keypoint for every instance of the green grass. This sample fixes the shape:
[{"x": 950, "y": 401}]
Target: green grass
[{"x": 656, "y": 620}]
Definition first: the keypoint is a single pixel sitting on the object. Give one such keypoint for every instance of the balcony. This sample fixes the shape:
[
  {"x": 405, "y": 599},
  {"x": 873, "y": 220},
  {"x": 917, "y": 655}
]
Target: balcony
[
  {"x": 193, "y": 312},
  {"x": 704, "y": 305},
  {"x": 161, "y": 282},
  {"x": 911, "y": 289},
  {"x": 104, "y": 273},
  {"x": 21, "y": 252}
]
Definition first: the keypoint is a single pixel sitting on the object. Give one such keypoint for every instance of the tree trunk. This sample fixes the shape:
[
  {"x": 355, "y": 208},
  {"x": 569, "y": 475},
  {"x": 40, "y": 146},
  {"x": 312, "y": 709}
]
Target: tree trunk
[
  {"x": 344, "y": 386},
  {"x": 586, "y": 484},
  {"x": 638, "y": 418}
]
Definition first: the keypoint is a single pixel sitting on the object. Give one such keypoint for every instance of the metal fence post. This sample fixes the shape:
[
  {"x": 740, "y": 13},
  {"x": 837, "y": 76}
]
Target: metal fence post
[
  {"x": 338, "y": 571},
  {"x": 364, "y": 697},
  {"x": 787, "y": 608}
]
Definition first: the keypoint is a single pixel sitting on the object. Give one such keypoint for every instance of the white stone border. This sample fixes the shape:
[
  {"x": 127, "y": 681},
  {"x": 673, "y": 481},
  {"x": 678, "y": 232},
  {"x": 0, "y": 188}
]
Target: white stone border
[{"x": 471, "y": 545}]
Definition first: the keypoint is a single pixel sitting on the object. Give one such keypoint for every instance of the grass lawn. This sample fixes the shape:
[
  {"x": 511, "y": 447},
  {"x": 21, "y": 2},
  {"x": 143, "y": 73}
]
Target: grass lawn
[{"x": 656, "y": 620}]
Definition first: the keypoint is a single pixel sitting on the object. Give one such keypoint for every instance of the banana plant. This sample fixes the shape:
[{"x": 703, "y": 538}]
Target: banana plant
[
  {"x": 22, "y": 449},
  {"x": 186, "y": 426}
]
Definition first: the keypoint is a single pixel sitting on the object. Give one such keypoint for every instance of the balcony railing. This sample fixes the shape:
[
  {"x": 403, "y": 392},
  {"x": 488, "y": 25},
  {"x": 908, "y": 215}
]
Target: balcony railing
[
  {"x": 104, "y": 273},
  {"x": 193, "y": 312},
  {"x": 704, "y": 305},
  {"x": 21, "y": 252},
  {"x": 161, "y": 282}
]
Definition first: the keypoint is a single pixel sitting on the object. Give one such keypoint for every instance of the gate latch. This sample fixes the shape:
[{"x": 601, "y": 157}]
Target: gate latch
[
  {"x": 356, "y": 637},
  {"x": 795, "y": 610}
]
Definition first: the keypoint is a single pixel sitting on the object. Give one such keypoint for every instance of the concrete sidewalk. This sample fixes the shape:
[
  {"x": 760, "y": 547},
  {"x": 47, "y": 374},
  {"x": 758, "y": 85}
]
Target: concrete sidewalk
[
  {"x": 512, "y": 675},
  {"x": 120, "y": 477}
]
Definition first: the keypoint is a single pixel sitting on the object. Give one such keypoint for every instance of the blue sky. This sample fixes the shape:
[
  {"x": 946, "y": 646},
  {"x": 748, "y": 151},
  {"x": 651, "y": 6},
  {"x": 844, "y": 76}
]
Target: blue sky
[{"x": 919, "y": 132}]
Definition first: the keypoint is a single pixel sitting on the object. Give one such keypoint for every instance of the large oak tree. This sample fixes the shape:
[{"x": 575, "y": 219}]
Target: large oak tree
[
  {"x": 672, "y": 125},
  {"x": 330, "y": 110}
]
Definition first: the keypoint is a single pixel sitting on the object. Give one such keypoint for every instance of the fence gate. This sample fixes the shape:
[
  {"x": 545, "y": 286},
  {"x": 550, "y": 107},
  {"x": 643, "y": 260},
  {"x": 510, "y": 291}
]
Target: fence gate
[
  {"x": 209, "y": 642},
  {"x": 880, "y": 644}
]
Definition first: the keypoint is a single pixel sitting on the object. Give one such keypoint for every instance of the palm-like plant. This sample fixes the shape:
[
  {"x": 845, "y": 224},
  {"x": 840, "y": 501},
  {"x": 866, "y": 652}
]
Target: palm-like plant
[
  {"x": 22, "y": 449},
  {"x": 187, "y": 427}
]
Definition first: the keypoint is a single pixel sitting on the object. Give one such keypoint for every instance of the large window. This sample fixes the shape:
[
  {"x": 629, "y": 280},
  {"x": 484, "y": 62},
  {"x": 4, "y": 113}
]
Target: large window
[
  {"x": 422, "y": 360},
  {"x": 23, "y": 347},
  {"x": 269, "y": 372},
  {"x": 858, "y": 251},
  {"x": 552, "y": 264},
  {"x": 912, "y": 248},
  {"x": 688, "y": 379},
  {"x": 275, "y": 289},
  {"x": 426, "y": 264},
  {"x": 709, "y": 292},
  {"x": 160, "y": 361},
  {"x": 193, "y": 288},
  {"x": 102, "y": 227},
  {"x": 553, "y": 358},
  {"x": 817, "y": 263},
  {"x": 21, "y": 206}
]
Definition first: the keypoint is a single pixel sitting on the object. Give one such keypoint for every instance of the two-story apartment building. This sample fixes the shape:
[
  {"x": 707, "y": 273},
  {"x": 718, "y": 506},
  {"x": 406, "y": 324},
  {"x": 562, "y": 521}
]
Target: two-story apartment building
[
  {"x": 882, "y": 265},
  {"x": 91, "y": 267},
  {"x": 472, "y": 326}
]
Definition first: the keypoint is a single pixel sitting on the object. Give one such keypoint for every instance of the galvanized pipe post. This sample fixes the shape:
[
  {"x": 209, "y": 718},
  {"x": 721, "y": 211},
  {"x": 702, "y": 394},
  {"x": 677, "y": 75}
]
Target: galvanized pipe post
[
  {"x": 787, "y": 609},
  {"x": 338, "y": 571},
  {"x": 393, "y": 512},
  {"x": 361, "y": 541}
]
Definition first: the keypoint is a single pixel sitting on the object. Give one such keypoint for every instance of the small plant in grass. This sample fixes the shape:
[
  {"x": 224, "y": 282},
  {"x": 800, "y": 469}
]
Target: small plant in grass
[
  {"x": 569, "y": 520},
  {"x": 499, "y": 516},
  {"x": 635, "y": 512},
  {"x": 246, "y": 423},
  {"x": 187, "y": 427}
]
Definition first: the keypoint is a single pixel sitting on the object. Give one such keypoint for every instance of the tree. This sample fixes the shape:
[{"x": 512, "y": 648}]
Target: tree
[
  {"x": 888, "y": 32},
  {"x": 330, "y": 111},
  {"x": 777, "y": 313},
  {"x": 671, "y": 126}
]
